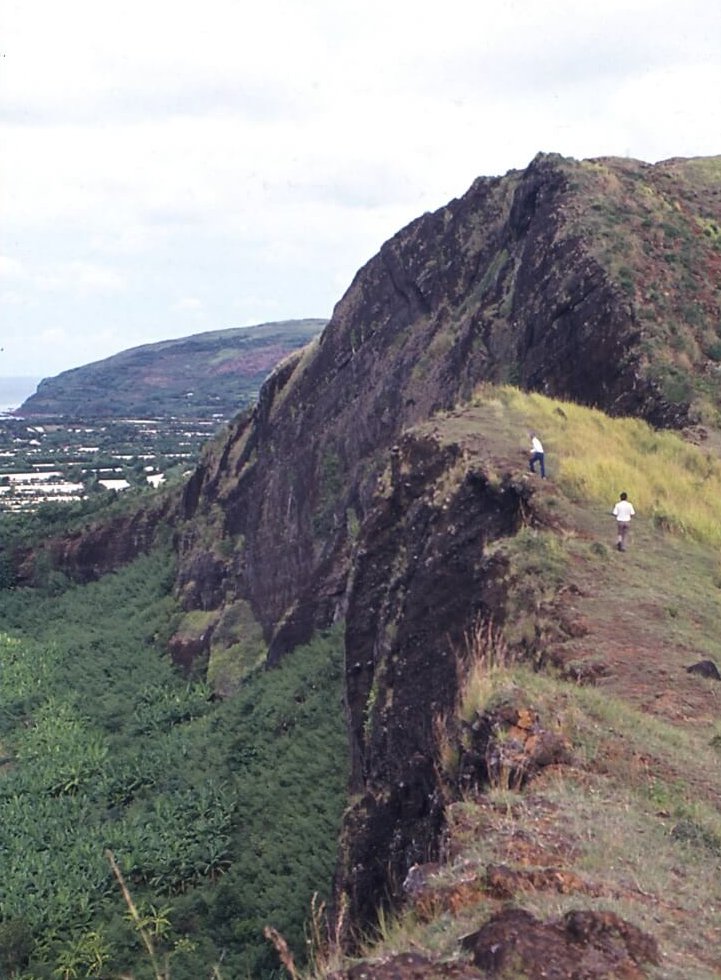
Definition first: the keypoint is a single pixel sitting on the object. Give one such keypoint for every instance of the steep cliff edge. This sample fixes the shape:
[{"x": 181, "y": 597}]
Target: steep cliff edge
[
  {"x": 531, "y": 821},
  {"x": 595, "y": 281},
  {"x": 423, "y": 575}
]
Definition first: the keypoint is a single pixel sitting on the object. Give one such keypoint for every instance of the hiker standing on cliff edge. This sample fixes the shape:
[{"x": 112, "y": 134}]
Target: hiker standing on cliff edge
[
  {"x": 623, "y": 512},
  {"x": 536, "y": 455}
]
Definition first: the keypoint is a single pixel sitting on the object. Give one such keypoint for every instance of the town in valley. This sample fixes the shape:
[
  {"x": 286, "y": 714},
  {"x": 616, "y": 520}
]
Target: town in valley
[{"x": 55, "y": 460}]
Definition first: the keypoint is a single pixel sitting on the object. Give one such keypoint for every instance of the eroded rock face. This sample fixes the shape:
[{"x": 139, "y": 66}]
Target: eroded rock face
[
  {"x": 586, "y": 945},
  {"x": 583, "y": 944},
  {"x": 421, "y": 578},
  {"x": 538, "y": 278},
  {"x": 507, "y": 283},
  {"x": 291, "y": 512},
  {"x": 96, "y": 550},
  {"x": 506, "y": 747},
  {"x": 515, "y": 281}
]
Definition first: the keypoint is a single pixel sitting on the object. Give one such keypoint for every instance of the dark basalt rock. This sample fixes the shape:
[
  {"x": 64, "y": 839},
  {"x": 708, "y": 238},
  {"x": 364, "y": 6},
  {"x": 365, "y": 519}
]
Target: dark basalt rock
[
  {"x": 582, "y": 944},
  {"x": 92, "y": 552},
  {"x": 705, "y": 668},
  {"x": 420, "y": 580},
  {"x": 508, "y": 282},
  {"x": 508, "y": 746}
]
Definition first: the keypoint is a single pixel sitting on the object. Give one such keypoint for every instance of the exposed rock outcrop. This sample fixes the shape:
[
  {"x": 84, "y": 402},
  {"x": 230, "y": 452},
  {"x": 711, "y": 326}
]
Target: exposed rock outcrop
[
  {"x": 527, "y": 278},
  {"x": 547, "y": 277},
  {"x": 98, "y": 547},
  {"x": 421, "y": 577},
  {"x": 580, "y": 944}
]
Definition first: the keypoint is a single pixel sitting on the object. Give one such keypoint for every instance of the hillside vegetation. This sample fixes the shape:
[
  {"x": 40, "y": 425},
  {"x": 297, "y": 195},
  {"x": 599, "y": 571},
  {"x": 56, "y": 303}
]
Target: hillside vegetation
[
  {"x": 106, "y": 749},
  {"x": 211, "y": 374},
  {"x": 509, "y": 680}
]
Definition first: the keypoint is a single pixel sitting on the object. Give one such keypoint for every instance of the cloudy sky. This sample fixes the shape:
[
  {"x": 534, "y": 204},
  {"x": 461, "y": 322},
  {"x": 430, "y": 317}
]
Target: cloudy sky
[{"x": 169, "y": 166}]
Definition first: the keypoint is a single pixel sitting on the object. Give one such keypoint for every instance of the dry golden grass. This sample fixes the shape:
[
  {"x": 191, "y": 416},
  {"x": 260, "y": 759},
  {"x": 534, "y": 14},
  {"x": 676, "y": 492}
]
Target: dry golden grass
[
  {"x": 675, "y": 483},
  {"x": 486, "y": 654}
]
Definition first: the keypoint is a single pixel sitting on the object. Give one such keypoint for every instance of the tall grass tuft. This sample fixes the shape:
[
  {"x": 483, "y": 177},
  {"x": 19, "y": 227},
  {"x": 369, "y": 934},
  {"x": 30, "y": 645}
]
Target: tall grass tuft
[{"x": 486, "y": 654}]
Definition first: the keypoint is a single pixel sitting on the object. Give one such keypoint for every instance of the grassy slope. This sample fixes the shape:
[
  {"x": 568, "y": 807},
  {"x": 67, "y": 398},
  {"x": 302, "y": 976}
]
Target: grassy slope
[{"x": 634, "y": 824}]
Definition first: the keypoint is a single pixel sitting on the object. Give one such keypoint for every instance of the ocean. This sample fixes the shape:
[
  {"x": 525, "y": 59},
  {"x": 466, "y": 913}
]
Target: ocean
[{"x": 14, "y": 391}]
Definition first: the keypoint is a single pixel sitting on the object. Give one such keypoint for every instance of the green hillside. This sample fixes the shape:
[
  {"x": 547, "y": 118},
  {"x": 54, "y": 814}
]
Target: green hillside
[
  {"x": 222, "y": 817},
  {"x": 216, "y": 373}
]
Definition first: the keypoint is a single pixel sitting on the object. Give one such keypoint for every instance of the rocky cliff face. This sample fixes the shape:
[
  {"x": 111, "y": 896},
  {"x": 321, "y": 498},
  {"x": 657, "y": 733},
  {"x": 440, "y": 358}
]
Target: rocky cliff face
[
  {"x": 422, "y": 576},
  {"x": 97, "y": 548},
  {"x": 568, "y": 278},
  {"x": 532, "y": 278}
]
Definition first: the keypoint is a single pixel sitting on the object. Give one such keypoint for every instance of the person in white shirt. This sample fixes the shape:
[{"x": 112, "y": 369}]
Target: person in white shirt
[
  {"x": 623, "y": 512},
  {"x": 536, "y": 455}
]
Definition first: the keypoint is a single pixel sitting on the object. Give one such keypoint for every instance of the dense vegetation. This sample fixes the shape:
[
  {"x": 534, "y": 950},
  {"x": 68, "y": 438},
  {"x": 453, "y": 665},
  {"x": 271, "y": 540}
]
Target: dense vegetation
[{"x": 221, "y": 816}]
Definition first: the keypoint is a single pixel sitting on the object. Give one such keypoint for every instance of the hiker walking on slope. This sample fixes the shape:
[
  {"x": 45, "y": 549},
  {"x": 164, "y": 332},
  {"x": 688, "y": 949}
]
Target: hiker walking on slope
[
  {"x": 536, "y": 455},
  {"x": 623, "y": 512}
]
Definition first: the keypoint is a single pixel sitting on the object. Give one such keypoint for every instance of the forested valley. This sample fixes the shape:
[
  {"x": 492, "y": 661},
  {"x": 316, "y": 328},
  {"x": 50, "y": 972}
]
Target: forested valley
[{"x": 221, "y": 816}]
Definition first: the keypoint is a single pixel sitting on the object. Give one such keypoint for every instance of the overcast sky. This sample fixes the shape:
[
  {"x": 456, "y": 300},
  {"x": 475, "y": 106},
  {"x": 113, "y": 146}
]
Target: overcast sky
[{"x": 169, "y": 167}]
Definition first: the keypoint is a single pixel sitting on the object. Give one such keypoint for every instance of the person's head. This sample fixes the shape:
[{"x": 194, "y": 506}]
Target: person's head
[{"x": 624, "y": 496}]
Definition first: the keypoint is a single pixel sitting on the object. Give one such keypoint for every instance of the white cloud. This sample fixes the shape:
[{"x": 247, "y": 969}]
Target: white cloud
[
  {"x": 11, "y": 269},
  {"x": 672, "y": 107},
  {"x": 80, "y": 278},
  {"x": 85, "y": 277},
  {"x": 259, "y": 154},
  {"x": 189, "y": 304}
]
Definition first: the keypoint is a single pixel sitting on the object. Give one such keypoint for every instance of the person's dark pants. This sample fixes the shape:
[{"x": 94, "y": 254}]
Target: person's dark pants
[
  {"x": 622, "y": 534},
  {"x": 537, "y": 458}
]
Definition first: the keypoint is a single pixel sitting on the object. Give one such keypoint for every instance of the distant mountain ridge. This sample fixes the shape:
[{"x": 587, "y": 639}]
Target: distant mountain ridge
[{"x": 213, "y": 373}]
